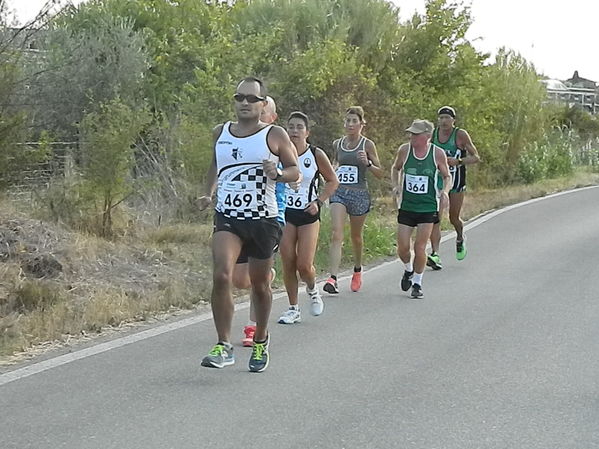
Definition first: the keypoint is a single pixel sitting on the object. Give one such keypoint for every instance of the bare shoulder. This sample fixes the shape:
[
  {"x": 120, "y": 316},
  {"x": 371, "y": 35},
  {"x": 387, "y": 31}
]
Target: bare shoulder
[
  {"x": 319, "y": 151},
  {"x": 278, "y": 132},
  {"x": 320, "y": 154},
  {"x": 217, "y": 130},
  {"x": 438, "y": 149},
  {"x": 462, "y": 132},
  {"x": 462, "y": 135},
  {"x": 369, "y": 144},
  {"x": 403, "y": 148},
  {"x": 401, "y": 156}
]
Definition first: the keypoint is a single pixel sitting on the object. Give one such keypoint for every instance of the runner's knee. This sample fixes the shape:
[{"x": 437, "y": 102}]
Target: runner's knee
[
  {"x": 455, "y": 219},
  {"x": 305, "y": 269},
  {"x": 403, "y": 247},
  {"x": 241, "y": 280},
  {"x": 221, "y": 277},
  {"x": 357, "y": 239},
  {"x": 337, "y": 235},
  {"x": 419, "y": 246}
]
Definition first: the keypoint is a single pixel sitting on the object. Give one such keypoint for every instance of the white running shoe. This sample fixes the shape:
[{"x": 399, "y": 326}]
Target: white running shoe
[
  {"x": 291, "y": 316},
  {"x": 316, "y": 303}
]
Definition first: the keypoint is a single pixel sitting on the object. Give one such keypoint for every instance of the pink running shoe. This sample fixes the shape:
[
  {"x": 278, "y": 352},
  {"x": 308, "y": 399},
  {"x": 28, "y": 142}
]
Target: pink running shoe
[
  {"x": 249, "y": 332},
  {"x": 356, "y": 281}
]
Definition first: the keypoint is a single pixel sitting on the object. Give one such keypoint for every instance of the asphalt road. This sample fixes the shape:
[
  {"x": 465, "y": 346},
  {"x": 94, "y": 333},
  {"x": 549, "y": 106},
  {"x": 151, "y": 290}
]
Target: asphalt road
[{"x": 502, "y": 352}]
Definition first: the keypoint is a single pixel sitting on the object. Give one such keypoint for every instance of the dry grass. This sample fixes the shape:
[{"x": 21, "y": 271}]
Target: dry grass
[
  {"x": 69, "y": 317},
  {"x": 180, "y": 233},
  {"x": 57, "y": 285}
]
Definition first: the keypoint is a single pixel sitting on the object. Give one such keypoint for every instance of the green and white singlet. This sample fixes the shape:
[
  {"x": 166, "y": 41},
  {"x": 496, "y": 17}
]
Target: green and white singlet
[
  {"x": 458, "y": 173},
  {"x": 420, "y": 185}
]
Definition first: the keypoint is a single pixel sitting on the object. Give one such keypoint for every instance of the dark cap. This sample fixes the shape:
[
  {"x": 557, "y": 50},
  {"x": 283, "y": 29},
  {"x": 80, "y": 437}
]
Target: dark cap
[{"x": 447, "y": 110}]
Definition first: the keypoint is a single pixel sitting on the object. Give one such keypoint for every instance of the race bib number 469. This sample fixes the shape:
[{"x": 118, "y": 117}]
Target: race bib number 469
[
  {"x": 347, "y": 174},
  {"x": 237, "y": 196},
  {"x": 417, "y": 184}
]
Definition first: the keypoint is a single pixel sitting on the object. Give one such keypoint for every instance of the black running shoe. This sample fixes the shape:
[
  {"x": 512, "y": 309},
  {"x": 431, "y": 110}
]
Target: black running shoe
[
  {"x": 417, "y": 291},
  {"x": 330, "y": 286},
  {"x": 406, "y": 280}
]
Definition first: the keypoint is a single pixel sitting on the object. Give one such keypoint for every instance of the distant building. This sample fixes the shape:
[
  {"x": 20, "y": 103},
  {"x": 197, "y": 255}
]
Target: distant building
[{"x": 574, "y": 91}]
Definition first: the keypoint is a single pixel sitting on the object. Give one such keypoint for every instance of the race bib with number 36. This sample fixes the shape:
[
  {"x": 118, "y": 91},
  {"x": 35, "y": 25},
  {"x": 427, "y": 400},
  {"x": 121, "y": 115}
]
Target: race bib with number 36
[{"x": 296, "y": 200}]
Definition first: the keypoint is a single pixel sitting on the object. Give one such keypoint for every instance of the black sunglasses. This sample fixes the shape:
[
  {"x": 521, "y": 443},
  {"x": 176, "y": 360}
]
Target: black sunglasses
[{"x": 250, "y": 98}]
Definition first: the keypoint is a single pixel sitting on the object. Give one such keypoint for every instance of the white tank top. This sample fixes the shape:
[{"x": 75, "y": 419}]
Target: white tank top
[
  {"x": 309, "y": 186},
  {"x": 243, "y": 190}
]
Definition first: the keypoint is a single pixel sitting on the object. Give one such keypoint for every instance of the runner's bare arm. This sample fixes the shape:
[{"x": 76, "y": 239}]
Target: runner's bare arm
[
  {"x": 443, "y": 167},
  {"x": 465, "y": 142},
  {"x": 331, "y": 182},
  {"x": 280, "y": 145},
  {"x": 204, "y": 201},
  {"x": 397, "y": 168},
  {"x": 328, "y": 173},
  {"x": 373, "y": 157},
  {"x": 334, "y": 161}
]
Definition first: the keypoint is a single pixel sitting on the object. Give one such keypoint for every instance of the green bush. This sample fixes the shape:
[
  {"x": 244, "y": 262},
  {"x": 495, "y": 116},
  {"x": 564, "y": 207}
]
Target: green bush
[{"x": 550, "y": 157}]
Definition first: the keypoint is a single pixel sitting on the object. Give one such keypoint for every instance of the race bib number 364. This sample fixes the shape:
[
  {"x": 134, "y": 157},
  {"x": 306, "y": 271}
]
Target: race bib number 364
[
  {"x": 417, "y": 184},
  {"x": 347, "y": 174}
]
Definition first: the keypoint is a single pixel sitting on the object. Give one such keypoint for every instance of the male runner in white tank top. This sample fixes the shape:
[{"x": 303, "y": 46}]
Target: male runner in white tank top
[{"x": 245, "y": 160}]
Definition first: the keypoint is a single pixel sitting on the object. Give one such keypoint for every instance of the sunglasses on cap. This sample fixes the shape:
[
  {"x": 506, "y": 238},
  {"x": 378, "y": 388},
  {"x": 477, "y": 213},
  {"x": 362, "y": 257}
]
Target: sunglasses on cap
[{"x": 250, "y": 98}]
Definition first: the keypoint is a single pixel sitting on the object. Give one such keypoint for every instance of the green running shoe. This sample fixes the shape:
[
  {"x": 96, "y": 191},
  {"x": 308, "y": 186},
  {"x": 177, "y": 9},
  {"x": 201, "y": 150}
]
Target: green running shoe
[
  {"x": 461, "y": 251},
  {"x": 219, "y": 357},
  {"x": 259, "y": 358},
  {"x": 434, "y": 261}
]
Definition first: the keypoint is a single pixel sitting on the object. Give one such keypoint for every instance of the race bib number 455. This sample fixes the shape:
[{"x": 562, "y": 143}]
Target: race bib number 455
[
  {"x": 417, "y": 184},
  {"x": 347, "y": 174}
]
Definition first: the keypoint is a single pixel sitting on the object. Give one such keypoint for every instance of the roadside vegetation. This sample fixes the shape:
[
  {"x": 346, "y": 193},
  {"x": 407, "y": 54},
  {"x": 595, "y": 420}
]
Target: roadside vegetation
[
  {"x": 105, "y": 136},
  {"x": 100, "y": 286}
]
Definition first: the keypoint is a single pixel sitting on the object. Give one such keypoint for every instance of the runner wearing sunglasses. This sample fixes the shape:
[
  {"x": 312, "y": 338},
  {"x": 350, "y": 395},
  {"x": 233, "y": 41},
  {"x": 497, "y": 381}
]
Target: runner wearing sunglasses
[{"x": 244, "y": 163}]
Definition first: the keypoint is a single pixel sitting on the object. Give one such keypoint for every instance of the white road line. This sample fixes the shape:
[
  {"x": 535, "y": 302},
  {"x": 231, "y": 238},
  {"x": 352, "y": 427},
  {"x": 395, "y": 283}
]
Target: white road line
[{"x": 55, "y": 362}]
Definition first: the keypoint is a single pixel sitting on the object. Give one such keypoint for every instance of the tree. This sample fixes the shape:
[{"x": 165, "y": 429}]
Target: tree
[
  {"x": 89, "y": 58},
  {"x": 18, "y": 45},
  {"x": 108, "y": 137}
]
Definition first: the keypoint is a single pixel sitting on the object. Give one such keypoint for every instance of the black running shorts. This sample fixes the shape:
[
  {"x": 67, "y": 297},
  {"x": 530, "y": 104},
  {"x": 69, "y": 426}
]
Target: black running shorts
[
  {"x": 413, "y": 219},
  {"x": 260, "y": 237},
  {"x": 297, "y": 217}
]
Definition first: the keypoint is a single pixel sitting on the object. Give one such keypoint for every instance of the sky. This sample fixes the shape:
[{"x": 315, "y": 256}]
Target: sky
[
  {"x": 555, "y": 35},
  {"x": 556, "y": 39}
]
